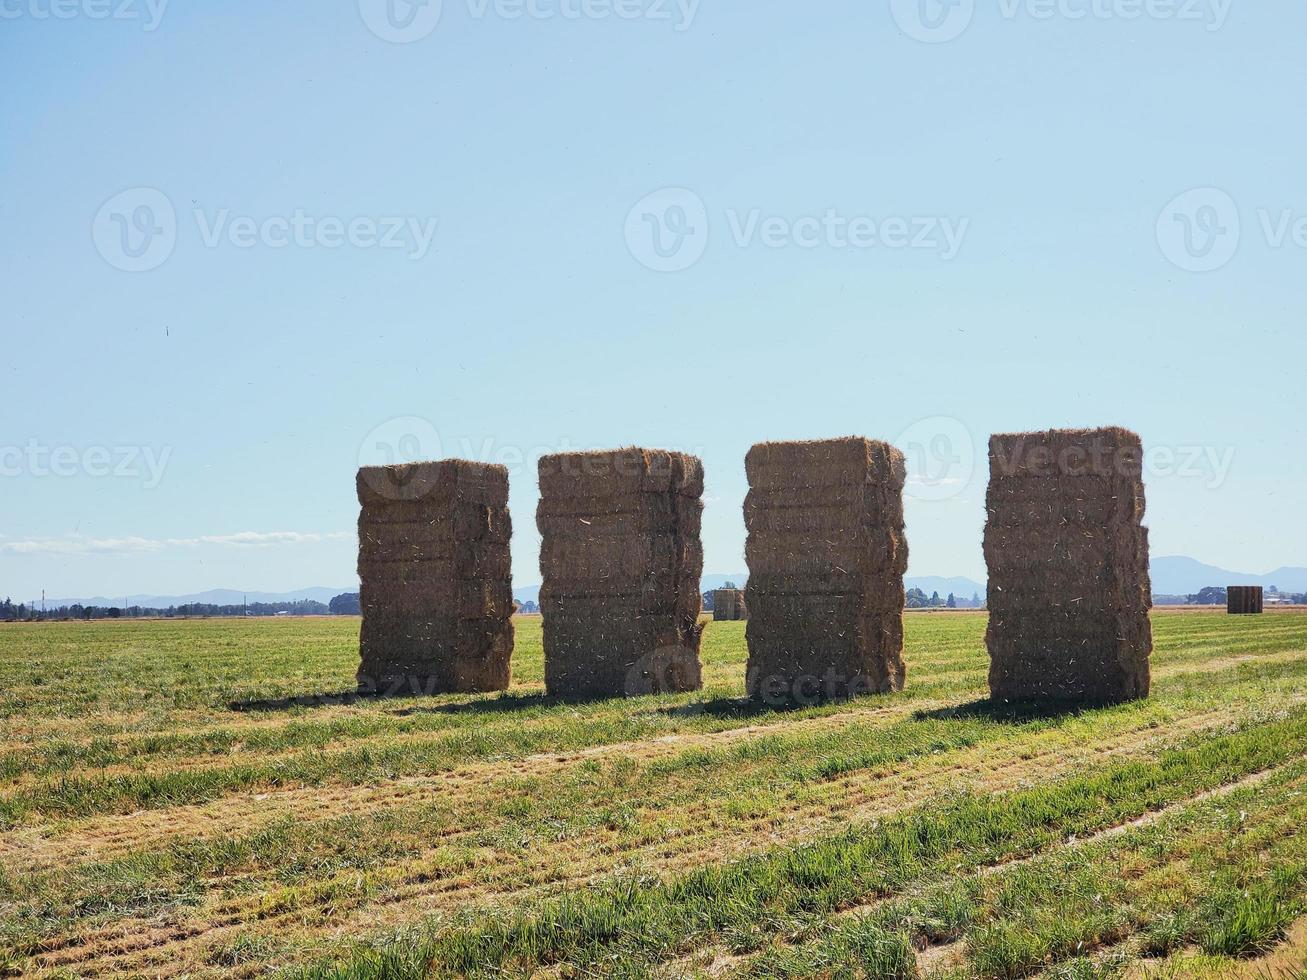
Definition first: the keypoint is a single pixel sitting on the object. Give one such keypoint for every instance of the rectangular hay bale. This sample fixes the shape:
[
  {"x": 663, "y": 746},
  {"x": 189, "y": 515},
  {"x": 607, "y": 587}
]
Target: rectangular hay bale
[
  {"x": 1245, "y": 600},
  {"x": 1069, "y": 589},
  {"x": 826, "y": 553},
  {"x": 728, "y": 605},
  {"x": 621, "y": 559},
  {"x": 435, "y": 578}
]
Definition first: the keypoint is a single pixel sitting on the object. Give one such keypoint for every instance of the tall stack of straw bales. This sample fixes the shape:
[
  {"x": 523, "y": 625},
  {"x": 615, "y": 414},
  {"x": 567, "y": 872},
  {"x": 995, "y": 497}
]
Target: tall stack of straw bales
[
  {"x": 1245, "y": 600},
  {"x": 826, "y": 553},
  {"x": 621, "y": 560},
  {"x": 728, "y": 605},
  {"x": 1069, "y": 590},
  {"x": 436, "y": 580}
]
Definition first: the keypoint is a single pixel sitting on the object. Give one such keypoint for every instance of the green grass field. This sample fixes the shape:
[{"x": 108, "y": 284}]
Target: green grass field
[{"x": 204, "y": 798}]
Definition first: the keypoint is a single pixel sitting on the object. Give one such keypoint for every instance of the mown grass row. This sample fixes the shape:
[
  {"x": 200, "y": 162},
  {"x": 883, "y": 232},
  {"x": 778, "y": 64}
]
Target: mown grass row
[
  {"x": 73, "y": 795},
  {"x": 1227, "y": 874},
  {"x": 346, "y": 860},
  {"x": 322, "y": 715},
  {"x": 513, "y": 813},
  {"x": 215, "y": 675},
  {"x": 629, "y": 925}
]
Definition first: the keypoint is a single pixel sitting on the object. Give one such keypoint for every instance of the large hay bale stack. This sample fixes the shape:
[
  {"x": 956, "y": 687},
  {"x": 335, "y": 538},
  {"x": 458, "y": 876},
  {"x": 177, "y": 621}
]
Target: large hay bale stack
[
  {"x": 1069, "y": 590},
  {"x": 728, "y": 605},
  {"x": 826, "y": 553},
  {"x": 621, "y": 560},
  {"x": 1245, "y": 600},
  {"x": 436, "y": 578}
]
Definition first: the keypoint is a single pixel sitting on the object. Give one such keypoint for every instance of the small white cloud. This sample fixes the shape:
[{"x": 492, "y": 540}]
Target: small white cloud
[{"x": 260, "y": 538}]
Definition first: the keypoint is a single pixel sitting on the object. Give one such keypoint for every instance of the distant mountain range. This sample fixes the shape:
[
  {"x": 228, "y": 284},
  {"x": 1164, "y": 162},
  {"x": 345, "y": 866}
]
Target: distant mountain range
[
  {"x": 1172, "y": 575},
  {"x": 1177, "y": 575}
]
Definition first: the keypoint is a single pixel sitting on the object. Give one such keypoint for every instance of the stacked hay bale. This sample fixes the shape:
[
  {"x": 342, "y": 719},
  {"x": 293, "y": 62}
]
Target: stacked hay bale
[
  {"x": 1069, "y": 589},
  {"x": 621, "y": 560},
  {"x": 826, "y": 553},
  {"x": 1245, "y": 600},
  {"x": 436, "y": 579},
  {"x": 728, "y": 605}
]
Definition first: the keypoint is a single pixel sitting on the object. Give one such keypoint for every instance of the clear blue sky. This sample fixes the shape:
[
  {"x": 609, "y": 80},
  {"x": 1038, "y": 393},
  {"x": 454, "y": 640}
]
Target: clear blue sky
[{"x": 258, "y": 373}]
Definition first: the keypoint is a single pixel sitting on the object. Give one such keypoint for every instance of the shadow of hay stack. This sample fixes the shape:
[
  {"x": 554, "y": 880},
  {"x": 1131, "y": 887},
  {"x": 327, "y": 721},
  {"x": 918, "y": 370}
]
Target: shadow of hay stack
[
  {"x": 1069, "y": 590},
  {"x": 289, "y": 702},
  {"x": 621, "y": 559},
  {"x": 435, "y": 574},
  {"x": 1010, "y": 712},
  {"x": 826, "y": 553}
]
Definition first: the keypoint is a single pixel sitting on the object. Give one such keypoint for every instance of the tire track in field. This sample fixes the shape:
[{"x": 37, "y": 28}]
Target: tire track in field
[
  {"x": 98, "y": 837},
  {"x": 201, "y": 758},
  {"x": 937, "y": 956},
  {"x": 137, "y": 945},
  {"x": 1285, "y": 961}
]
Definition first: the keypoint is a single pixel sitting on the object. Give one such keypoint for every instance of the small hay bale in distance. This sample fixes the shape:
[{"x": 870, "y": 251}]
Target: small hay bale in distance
[
  {"x": 728, "y": 605},
  {"x": 827, "y": 553},
  {"x": 1069, "y": 590},
  {"x": 621, "y": 559},
  {"x": 1245, "y": 600},
  {"x": 435, "y": 573}
]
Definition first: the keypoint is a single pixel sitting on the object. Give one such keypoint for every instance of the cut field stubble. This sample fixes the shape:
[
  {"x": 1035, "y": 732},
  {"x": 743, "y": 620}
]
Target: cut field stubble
[{"x": 266, "y": 874}]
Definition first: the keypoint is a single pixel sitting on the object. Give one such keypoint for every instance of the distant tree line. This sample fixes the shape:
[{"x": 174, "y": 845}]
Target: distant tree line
[
  {"x": 21, "y": 612},
  {"x": 346, "y": 604},
  {"x": 917, "y": 599},
  {"x": 913, "y": 599}
]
